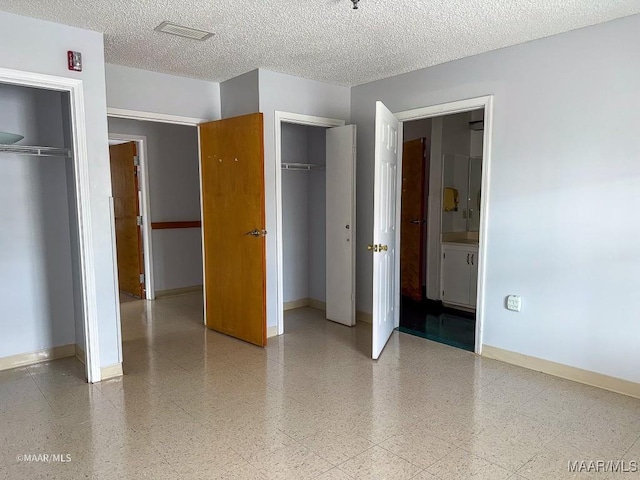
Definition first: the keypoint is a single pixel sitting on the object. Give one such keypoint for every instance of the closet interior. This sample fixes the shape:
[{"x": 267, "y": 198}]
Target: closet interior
[
  {"x": 39, "y": 249},
  {"x": 304, "y": 216}
]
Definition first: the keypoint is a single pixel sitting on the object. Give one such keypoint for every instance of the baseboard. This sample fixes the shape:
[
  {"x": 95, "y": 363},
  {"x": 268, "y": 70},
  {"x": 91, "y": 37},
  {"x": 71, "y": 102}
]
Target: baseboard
[
  {"x": 111, "y": 371},
  {"x": 178, "y": 291},
  {"x": 579, "y": 375},
  {"x": 44, "y": 355},
  {"x": 302, "y": 302},
  {"x": 80, "y": 354},
  {"x": 364, "y": 317},
  {"x": 272, "y": 331},
  {"x": 305, "y": 302}
]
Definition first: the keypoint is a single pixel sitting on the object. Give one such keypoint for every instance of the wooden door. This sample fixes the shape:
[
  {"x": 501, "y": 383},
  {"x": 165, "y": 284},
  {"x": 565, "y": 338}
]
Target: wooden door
[
  {"x": 233, "y": 225},
  {"x": 385, "y": 211},
  {"x": 412, "y": 219},
  {"x": 124, "y": 186},
  {"x": 340, "y": 224}
]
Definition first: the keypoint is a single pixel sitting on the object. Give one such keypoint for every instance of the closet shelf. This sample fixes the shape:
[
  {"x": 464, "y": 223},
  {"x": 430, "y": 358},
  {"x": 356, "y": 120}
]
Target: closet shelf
[
  {"x": 37, "y": 151},
  {"x": 302, "y": 166}
]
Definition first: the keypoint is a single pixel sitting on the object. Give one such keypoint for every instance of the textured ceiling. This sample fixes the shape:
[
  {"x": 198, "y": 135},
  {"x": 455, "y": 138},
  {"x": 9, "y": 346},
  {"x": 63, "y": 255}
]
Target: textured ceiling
[{"x": 319, "y": 39}]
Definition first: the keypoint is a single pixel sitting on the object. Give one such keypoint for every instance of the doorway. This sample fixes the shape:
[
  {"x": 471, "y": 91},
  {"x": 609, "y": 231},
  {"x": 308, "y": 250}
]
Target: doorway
[
  {"x": 56, "y": 153},
  {"x": 315, "y": 195},
  {"x": 387, "y": 244},
  {"x": 441, "y": 178}
]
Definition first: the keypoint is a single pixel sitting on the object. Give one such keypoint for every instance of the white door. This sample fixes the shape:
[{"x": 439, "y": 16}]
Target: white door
[
  {"x": 341, "y": 223},
  {"x": 388, "y": 152}
]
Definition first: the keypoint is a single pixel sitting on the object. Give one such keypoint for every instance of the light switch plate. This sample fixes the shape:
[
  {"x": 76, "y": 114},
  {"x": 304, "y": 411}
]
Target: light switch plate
[{"x": 514, "y": 303}]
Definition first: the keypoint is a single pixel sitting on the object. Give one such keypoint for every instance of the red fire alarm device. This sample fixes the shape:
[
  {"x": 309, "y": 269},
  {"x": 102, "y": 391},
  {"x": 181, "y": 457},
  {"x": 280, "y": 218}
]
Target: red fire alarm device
[{"x": 74, "y": 61}]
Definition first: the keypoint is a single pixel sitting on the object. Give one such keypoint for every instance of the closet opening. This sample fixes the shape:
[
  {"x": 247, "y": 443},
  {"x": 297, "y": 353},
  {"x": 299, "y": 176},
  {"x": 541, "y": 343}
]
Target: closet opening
[
  {"x": 303, "y": 171},
  {"x": 315, "y": 196},
  {"x": 43, "y": 253},
  {"x": 440, "y": 222}
]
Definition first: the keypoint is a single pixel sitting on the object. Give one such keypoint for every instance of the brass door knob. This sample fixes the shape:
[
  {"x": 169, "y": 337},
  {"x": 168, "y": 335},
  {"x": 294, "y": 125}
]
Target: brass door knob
[
  {"x": 372, "y": 248},
  {"x": 383, "y": 248}
]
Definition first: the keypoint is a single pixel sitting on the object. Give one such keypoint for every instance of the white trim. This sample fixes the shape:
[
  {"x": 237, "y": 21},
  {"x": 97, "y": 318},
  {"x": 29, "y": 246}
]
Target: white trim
[
  {"x": 606, "y": 382},
  {"x": 114, "y": 263},
  {"x": 141, "y": 141},
  {"x": 204, "y": 270},
  {"x": 450, "y": 108},
  {"x": 153, "y": 117},
  {"x": 298, "y": 119},
  {"x": 112, "y": 371},
  {"x": 83, "y": 201}
]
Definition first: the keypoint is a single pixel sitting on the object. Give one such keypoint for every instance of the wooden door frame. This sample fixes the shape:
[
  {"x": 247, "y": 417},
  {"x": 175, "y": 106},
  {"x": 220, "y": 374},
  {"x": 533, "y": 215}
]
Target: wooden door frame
[
  {"x": 439, "y": 110},
  {"x": 145, "y": 208},
  {"x": 298, "y": 119},
  {"x": 82, "y": 184}
]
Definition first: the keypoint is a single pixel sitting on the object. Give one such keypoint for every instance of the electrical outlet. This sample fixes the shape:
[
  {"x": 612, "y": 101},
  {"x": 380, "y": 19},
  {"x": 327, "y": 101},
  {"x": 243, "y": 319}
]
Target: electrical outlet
[{"x": 514, "y": 303}]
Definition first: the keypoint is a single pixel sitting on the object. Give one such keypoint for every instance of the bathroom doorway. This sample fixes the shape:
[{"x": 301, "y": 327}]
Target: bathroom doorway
[{"x": 440, "y": 223}]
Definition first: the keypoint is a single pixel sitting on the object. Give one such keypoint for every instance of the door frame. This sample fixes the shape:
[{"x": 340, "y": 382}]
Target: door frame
[
  {"x": 145, "y": 207},
  {"x": 175, "y": 120},
  {"x": 82, "y": 186},
  {"x": 450, "y": 108},
  {"x": 298, "y": 119}
]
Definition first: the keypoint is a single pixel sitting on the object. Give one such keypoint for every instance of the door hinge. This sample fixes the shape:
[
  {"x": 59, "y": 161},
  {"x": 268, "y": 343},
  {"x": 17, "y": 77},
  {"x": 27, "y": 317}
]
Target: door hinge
[
  {"x": 443, "y": 293},
  {"x": 444, "y": 255},
  {"x": 142, "y": 278},
  {"x": 136, "y": 161},
  {"x": 139, "y": 220}
]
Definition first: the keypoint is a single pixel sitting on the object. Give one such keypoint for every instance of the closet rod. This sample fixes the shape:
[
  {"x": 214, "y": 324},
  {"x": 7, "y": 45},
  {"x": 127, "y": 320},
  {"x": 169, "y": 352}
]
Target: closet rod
[
  {"x": 37, "y": 151},
  {"x": 302, "y": 166}
]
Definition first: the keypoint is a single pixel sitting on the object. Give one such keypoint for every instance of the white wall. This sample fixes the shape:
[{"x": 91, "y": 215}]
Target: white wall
[
  {"x": 141, "y": 90},
  {"x": 39, "y": 46},
  {"x": 565, "y": 162},
  {"x": 297, "y": 95},
  {"x": 295, "y": 218},
  {"x": 35, "y": 248},
  {"x": 174, "y": 193},
  {"x": 239, "y": 95}
]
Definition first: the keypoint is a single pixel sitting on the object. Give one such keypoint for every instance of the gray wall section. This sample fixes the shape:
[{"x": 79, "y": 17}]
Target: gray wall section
[
  {"x": 239, "y": 95},
  {"x": 174, "y": 191},
  {"x": 564, "y": 162},
  {"x": 140, "y": 90},
  {"x": 35, "y": 247}
]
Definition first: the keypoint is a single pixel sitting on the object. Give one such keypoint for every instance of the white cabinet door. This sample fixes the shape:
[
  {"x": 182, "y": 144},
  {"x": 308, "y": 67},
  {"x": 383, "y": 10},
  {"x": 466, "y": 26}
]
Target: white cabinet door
[
  {"x": 473, "y": 281},
  {"x": 456, "y": 273}
]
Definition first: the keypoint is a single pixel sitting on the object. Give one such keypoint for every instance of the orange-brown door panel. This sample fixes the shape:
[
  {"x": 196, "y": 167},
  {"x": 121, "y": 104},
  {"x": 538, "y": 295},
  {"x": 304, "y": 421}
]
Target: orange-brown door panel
[
  {"x": 233, "y": 205},
  {"x": 124, "y": 186},
  {"x": 412, "y": 219}
]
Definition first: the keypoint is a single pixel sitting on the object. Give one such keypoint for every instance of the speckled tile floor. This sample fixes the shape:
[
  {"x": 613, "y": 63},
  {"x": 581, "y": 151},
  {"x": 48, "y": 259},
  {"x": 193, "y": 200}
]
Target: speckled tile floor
[{"x": 197, "y": 404}]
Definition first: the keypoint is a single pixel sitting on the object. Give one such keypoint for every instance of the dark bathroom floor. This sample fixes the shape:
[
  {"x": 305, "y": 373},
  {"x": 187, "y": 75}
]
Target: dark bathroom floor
[{"x": 430, "y": 319}]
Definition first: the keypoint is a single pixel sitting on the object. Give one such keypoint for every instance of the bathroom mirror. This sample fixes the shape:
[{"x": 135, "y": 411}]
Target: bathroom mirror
[{"x": 461, "y": 183}]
